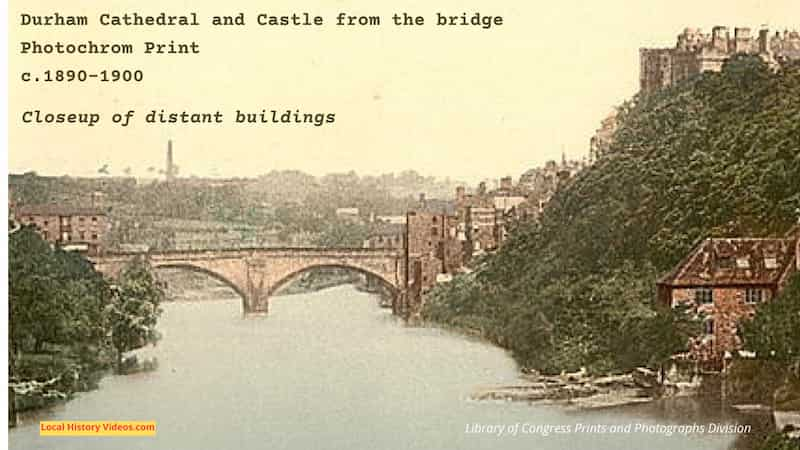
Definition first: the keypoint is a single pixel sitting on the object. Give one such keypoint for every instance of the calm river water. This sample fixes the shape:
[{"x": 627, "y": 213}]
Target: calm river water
[{"x": 332, "y": 370}]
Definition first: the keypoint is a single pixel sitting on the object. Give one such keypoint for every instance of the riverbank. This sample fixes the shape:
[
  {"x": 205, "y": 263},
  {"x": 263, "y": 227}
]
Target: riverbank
[
  {"x": 329, "y": 354},
  {"x": 582, "y": 391}
]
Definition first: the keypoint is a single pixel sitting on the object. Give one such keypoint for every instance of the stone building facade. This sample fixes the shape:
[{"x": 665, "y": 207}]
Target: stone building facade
[
  {"x": 725, "y": 280},
  {"x": 387, "y": 236},
  {"x": 600, "y": 143},
  {"x": 80, "y": 229},
  {"x": 441, "y": 238},
  {"x": 696, "y": 52}
]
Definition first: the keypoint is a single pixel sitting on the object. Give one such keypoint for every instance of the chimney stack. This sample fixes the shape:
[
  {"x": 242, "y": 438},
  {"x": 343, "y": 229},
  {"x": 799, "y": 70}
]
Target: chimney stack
[
  {"x": 763, "y": 41},
  {"x": 170, "y": 169},
  {"x": 741, "y": 40},
  {"x": 460, "y": 193},
  {"x": 720, "y": 38}
]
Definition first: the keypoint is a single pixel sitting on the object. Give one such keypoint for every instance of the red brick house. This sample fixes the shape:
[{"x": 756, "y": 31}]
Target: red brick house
[
  {"x": 726, "y": 279},
  {"x": 72, "y": 228}
]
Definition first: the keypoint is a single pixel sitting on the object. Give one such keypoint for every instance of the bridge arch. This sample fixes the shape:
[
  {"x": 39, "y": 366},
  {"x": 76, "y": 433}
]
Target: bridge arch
[
  {"x": 240, "y": 291},
  {"x": 285, "y": 278}
]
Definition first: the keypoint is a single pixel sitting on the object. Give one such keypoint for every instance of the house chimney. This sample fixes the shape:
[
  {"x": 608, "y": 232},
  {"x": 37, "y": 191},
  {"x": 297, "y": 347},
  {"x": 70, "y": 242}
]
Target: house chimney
[
  {"x": 763, "y": 41},
  {"x": 719, "y": 38},
  {"x": 741, "y": 40},
  {"x": 460, "y": 193}
]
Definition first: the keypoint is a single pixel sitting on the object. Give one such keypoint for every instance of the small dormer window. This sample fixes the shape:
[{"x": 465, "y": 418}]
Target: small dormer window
[
  {"x": 725, "y": 262},
  {"x": 771, "y": 263},
  {"x": 743, "y": 263}
]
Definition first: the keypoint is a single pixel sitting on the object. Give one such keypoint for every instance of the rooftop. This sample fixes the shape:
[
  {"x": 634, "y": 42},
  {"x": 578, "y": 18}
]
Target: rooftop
[{"x": 734, "y": 261}]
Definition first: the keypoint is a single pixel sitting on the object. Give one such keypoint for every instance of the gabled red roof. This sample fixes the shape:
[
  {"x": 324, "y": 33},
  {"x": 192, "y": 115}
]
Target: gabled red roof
[{"x": 734, "y": 261}]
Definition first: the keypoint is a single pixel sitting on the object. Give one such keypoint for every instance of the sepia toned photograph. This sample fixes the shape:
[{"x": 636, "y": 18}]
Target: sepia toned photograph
[{"x": 409, "y": 226}]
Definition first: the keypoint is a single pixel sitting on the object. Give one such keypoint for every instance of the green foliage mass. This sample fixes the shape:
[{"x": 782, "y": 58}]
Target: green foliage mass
[
  {"x": 66, "y": 323},
  {"x": 717, "y": 155},
  {"x": 134, "y": 308},
  {"x": 774, "y": 332},
  {"x": 779, "y": 441}
]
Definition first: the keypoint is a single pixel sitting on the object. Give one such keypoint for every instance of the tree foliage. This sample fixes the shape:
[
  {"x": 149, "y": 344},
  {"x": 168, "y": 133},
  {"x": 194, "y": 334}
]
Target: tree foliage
[
  {"x": 65, "y": 321},
  {"x": 774, "y": 332},
  {"x": 135, "y": 307}
]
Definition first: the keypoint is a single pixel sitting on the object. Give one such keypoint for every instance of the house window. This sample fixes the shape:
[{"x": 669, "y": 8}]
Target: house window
[
  {"x": 771, "y": 263},
  {"x": 743, "y": 263},
  {"x": 45, "y": 223},
  {"x": 703, "y": 296},
  {"x": 65, "y": 236},
  {"x": 94, "y": 237},
  {"x": 434, "y": 231},
  {"x": 83, "y": 235},
  {"x": 753, "y": 296},
  {"x": 725, "y": 262},
  {"x": 94, "y": 220},
  {"x": 709, "y": 326}
]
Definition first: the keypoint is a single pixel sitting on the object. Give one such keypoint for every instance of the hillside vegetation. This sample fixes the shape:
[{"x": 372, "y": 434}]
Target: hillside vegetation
[{"x": 717, "y": 155}]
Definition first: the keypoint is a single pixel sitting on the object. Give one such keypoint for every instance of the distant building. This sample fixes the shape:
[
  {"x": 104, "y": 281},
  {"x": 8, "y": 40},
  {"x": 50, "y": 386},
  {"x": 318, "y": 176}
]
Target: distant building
[
  {"x": 387, "y": 236},
  {"x": 391, "y": 220},
  {"x": 79, "y": 229},
  {"x": 541, "y": 183},
  {"x": 726, "y": 279},
  {"x": 601, "y": 142},
  {"x": 348, "y": 214},
  {"x": 481, "y": 226},
  {"x": 696, "y": 52}
]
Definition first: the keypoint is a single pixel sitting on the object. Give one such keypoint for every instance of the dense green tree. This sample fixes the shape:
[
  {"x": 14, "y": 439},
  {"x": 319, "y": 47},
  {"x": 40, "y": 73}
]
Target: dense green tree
[
  {"x": 56, "y": 297},
  {"x": 64, "y": 318},
  {"x": 135, "y": 308},
  {"x": 774, "y": 332}
]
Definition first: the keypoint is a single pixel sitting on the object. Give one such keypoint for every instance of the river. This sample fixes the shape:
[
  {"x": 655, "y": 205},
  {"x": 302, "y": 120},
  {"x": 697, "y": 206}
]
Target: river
[{"x": 332, "y": 370}]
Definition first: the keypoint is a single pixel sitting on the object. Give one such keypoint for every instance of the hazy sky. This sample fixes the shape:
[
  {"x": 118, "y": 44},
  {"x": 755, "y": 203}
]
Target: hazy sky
[{"x": 455, "y": 101}]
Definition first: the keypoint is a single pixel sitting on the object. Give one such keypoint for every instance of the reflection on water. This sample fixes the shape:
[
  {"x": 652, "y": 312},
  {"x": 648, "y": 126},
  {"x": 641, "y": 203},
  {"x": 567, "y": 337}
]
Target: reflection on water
[{"x": 331, "y": 370}]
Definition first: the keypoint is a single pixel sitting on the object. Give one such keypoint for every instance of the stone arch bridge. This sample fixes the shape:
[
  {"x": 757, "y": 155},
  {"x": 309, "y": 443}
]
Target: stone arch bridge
[{"x": 255, "y": 274}]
